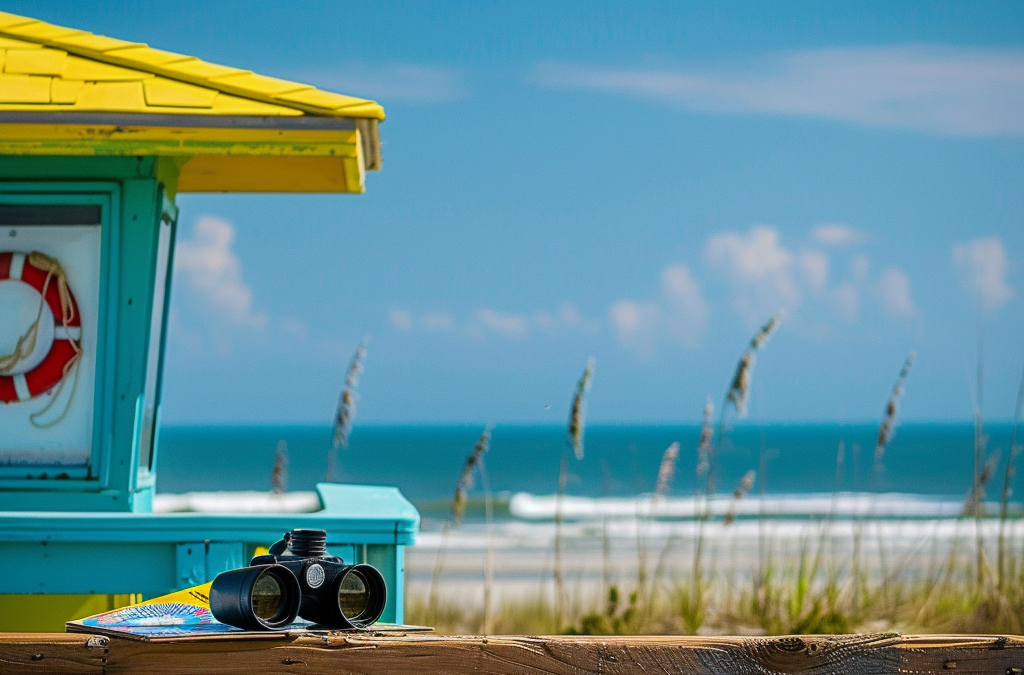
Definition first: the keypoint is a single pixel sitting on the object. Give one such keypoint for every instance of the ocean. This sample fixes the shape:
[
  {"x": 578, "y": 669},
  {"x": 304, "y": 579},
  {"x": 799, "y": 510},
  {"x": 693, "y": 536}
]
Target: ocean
[
  {"x": 929, "y": 462},
  {"x": 908, "y": 515}
]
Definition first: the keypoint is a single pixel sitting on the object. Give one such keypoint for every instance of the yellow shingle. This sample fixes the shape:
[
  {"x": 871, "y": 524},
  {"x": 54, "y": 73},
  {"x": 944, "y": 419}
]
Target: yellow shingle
[
  {"x": 147, "y": 55},
  {"x": 226, "y": 104},
  {"x": 3, "y": 57},
  {"x": 319, "y": 98},
  {"x": 201, "y": 70},
  {"x": 10, "y": 43},
  {"x": 96, "y": 44},
  {"x": 114, "y": 96},
  {"x": 368, "y": 109},
  {"x": 161, "y": 91},
  {"x": 24, "y": 89},
  {"x": 122, "y": 61},
  {"x": 64, "y": 91},
  {"x": 13, "y": 20},
  {"x": 35, "y": 61},
  {"x": 268, "y": 86},
  {"x": 40, "y": 30},
  {"x": 77, "y": 68}
]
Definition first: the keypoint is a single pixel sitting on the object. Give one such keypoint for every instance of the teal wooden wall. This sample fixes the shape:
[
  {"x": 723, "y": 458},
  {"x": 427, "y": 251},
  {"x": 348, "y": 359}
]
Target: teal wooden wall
[{"x": 139, "y": 205}]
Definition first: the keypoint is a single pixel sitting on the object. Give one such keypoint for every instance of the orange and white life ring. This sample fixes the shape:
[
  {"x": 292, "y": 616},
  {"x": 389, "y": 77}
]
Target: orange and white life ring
[{"x": 67, "y": 332}]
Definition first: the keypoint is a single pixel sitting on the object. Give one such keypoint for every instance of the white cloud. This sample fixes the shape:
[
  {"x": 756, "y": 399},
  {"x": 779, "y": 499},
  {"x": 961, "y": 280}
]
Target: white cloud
[
  {"x": 893, "y": 290},
  {"x": 685, "y": 309},
  {"x": 837, "y": 234},
  {"x": 932, "y": 88},
  {"x": 635, "y": 323},
  {"x": 440, "y": 321},
  {"x": 983, "y": 266},
  {"x": 760, "y": 270},
  {"x": 409, "y": 82},
  {"x": 846, "y": 299},
  {"x": 211, "y": 269},
  {"x": 512, "y": 326},
  {"x": 766, "y": 277},
  {"x": 401, "y": 319},
  {"x": 680, "y": 311},
  {"x": 814, "y": 267}
]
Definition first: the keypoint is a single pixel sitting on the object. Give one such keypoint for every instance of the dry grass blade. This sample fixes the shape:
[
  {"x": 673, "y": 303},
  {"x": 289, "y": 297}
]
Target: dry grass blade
[
  {"x": 576, "y": 413},
  {"x": 458, "y": 510},
  {"x": 888, "y": 426},
  {"x": 346, "y": 410},
  {"x": 975, "y": 500},
  {"x": 279, "y": 476},
  {"x": 745, "y": 484},
  {"x": 707, "y": 437},
  {"x": 666, "y": 470},
  {"x": 740, "y": 387},
  {"x": 347, "y": 402}
]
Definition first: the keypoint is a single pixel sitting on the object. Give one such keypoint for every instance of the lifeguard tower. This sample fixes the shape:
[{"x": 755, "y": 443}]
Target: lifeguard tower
[{"x": 97, "y": 137}]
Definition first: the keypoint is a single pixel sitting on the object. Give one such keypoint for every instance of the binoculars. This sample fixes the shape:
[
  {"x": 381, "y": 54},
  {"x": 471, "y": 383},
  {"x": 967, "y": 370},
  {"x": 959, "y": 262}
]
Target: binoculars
[{"x": 297, "y": 577}]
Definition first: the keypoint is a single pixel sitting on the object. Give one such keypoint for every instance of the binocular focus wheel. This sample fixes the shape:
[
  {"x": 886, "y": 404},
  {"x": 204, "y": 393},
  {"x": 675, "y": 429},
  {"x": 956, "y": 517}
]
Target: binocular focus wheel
[{"x": 261, "y": 597}]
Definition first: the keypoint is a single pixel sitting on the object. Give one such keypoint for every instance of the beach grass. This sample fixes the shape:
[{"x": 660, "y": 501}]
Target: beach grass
[
  {"x": 799, "y": 592},
  {"x": 821, "y": 587}
]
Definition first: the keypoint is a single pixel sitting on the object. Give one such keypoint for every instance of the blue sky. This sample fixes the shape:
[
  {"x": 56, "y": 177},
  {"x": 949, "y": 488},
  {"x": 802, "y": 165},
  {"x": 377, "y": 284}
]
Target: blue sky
[{"x": 642, "y": 182}]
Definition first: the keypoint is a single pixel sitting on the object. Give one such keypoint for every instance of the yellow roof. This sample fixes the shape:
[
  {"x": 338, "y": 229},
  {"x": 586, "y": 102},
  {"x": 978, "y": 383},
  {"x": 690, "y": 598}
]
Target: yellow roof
[
  {"x": 69, "y": 92},
  {"x": 48, "y": 67}
]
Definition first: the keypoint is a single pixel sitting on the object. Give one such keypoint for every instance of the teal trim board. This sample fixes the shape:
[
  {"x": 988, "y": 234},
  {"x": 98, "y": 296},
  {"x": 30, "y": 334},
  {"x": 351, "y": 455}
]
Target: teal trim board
[{"x": 154, "y": 554}]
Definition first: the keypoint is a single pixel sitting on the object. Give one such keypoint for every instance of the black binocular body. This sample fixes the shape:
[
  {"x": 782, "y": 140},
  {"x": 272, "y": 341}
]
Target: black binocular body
[{"x": 297, "y": 577}]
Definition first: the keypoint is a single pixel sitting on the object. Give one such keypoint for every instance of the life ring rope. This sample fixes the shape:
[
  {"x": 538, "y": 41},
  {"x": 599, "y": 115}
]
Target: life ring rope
[{"x": 41, "y": 271}]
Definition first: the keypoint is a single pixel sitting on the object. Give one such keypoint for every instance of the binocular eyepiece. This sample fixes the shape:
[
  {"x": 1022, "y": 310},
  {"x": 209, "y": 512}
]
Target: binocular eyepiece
[{"x": 297, "y": 577}]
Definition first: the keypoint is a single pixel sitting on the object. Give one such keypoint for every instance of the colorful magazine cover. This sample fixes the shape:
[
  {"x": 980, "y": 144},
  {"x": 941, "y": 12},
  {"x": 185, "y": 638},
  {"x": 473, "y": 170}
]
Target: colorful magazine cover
[{"x": 186, "y": 615}]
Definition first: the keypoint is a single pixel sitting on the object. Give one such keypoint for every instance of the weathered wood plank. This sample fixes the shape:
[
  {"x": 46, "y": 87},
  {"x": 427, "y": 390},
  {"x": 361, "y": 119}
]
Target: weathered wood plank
[{"x": 879, "y": 654}]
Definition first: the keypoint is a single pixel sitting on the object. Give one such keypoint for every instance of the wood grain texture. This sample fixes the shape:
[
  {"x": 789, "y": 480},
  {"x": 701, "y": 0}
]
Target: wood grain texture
[{"x": 68, "y": 654}]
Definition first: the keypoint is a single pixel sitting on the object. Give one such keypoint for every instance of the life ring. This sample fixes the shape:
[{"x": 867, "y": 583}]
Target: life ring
[{"x": 67, "y": 325}]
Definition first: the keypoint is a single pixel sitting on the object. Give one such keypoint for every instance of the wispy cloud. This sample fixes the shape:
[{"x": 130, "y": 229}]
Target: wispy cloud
[
  {"x": 209, "y": 267},
  {"x": 407, "y": 82},
  {"x": 513, "y": 326},
  {"x": 931, "y": 88},
  {"x": 893, "y": 290},
  {"x": 766, "y": 276},
  {"x": 983, "y": 266},
  {"x": 680, "y": 310},
  {"x": 761, "y": 270},
  {"x": 837, "y": 234}
]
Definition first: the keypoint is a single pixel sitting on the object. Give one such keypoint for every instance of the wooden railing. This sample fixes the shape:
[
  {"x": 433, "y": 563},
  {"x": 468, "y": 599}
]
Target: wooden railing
[{"x": 339, "y": 654}]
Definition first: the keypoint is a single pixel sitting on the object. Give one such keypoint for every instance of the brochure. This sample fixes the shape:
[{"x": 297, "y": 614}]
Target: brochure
[{"x": 186, "y": 616}]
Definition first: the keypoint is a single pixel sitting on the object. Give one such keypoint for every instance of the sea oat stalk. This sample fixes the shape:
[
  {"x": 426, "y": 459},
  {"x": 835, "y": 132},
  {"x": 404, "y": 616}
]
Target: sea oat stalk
[
  {"x": 576, "y": 412},
  {"x": 741, "y": 490},
  {"x": 740, "y": 387},
  {"x": 666, "y": 470},
  {"x": 456, "y": 512},
  {"x": 346, "y": 409},
  {"x": 1009, "y": 473},
  {"x": 279, "y": 476},
  {"x": 707, "y": 437},
  {"x": 887, "y": 428},
  {"x": 574, "y": 437}
]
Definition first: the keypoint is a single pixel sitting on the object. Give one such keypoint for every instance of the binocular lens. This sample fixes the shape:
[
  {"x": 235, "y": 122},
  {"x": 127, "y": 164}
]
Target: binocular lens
[
  {"x": 353, "y": 594},
  {"x": 362, "y": 595},
  {"x": 256, "y": 598},
  {"x": 267, "y": 597}
]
